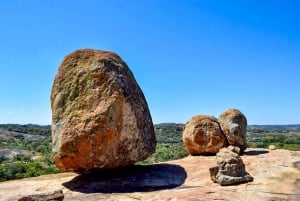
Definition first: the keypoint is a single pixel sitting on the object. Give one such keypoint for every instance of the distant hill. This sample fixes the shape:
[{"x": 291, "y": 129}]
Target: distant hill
[
  {"x": 28, "y": 129},
  {"x": 289, "y": 127},
  {"x": 177, "y": 127},
  {"x": 168, "y": 127}
]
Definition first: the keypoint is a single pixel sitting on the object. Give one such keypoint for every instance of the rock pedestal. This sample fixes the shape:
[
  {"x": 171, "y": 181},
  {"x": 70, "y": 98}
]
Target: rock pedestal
[
  {"x": 100, "y": 118},
  {"x": 230, "y": 168}
]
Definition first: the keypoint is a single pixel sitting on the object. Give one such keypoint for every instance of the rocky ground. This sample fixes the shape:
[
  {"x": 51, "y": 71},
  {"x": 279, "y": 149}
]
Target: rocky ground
[
  {"x": 276, "y": 177},
  {"x": 5, "y": 134},
  {"x": 10, "y": 153}
]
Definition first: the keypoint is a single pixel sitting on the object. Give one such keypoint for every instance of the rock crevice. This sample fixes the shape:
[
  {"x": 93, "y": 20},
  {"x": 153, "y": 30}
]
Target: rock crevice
[{"x": 207, "y": 135}]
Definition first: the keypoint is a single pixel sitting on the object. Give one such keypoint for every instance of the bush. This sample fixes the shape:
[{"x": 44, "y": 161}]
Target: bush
[
  {"x": 289, "y": 141},
  {"x": 169, "y": 144},
  {"x": 23, "y": 169}
]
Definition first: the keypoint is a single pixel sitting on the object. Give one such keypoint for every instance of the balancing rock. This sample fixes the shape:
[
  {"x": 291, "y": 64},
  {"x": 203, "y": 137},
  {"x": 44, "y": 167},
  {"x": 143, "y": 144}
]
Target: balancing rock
[{"x": 100, "y": 117}]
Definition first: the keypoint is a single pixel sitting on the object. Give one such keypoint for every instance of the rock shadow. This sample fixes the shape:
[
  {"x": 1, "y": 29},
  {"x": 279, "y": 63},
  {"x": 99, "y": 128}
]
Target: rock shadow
[
  {"x": 137, "y": 178},
  {"x": 255, "y": 152}
]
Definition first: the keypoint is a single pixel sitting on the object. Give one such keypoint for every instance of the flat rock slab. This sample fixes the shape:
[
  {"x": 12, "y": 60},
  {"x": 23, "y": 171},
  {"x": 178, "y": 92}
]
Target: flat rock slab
[
  {"x": 139, "y": 178},
  {"x": 276, "y": 177}
]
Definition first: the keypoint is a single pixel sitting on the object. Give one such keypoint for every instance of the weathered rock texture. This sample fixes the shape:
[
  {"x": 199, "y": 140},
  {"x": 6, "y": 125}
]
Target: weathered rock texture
[
  {"x": 230, "y": 168},
  {"x": 275, "y": 173},
  {"x": 234, "y": 125},
  {"x": 203, "y": 135},
  {"x": 100, "y": 118},
  {"x": 55, "y": 196}
]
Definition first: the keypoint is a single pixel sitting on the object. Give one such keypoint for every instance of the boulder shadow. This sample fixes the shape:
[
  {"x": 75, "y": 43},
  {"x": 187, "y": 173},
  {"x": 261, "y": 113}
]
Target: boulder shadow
[
  {"x": 255, "y": 152},
  {"x": 137, "y": 178}
]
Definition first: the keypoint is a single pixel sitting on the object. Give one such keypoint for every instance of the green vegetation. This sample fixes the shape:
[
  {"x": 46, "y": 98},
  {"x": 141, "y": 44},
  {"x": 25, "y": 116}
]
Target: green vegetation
[
  {"x": 40, "y": 145},
  {"x": 169, "y": 144},
  {"x": 37, "y": 140},
  {"x": 282, "y": 139},
  {"x": 34, "y": 138},
  {"x": 22, "y": 167}
]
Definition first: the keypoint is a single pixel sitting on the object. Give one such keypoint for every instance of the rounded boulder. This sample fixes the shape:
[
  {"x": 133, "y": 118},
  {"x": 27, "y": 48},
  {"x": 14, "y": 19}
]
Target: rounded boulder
[
  {"x": 202, "y": 135},
  {"x": 234, "y": 125},
  {"x": 100, "y": 117}
]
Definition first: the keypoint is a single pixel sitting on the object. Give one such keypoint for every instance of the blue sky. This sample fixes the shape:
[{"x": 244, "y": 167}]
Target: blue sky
[{"x": 189, "y": 57}]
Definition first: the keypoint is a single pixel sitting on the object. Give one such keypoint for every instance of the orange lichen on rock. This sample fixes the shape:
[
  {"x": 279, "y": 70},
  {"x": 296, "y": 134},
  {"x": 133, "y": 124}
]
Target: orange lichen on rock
[
  {"x": 98, "y": 113},
  {"x": 203, "y": 135}
]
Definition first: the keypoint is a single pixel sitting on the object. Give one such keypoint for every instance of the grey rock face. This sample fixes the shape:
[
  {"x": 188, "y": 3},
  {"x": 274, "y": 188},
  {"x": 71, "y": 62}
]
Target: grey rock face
[
  {"x": 230, "y": 168},
  {"x": 234, "y": 126}
]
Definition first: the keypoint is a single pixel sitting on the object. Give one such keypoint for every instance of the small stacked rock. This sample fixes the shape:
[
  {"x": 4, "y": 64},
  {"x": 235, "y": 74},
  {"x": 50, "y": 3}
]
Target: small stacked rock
[
  {"x": 100, "y": 117},
  {"x": 203, "y": 135},
  {"x": 230, "y": 168},
  {"x": 234, "y": 126}
]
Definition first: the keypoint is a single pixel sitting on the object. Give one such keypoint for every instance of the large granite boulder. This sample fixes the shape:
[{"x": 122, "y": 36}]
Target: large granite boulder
[
  {"x": 230, "y": 168},
  {"x": 203, "y": 135},
  {"x": 234, "y": 126},
  {"x": 100, "y": 118}
]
